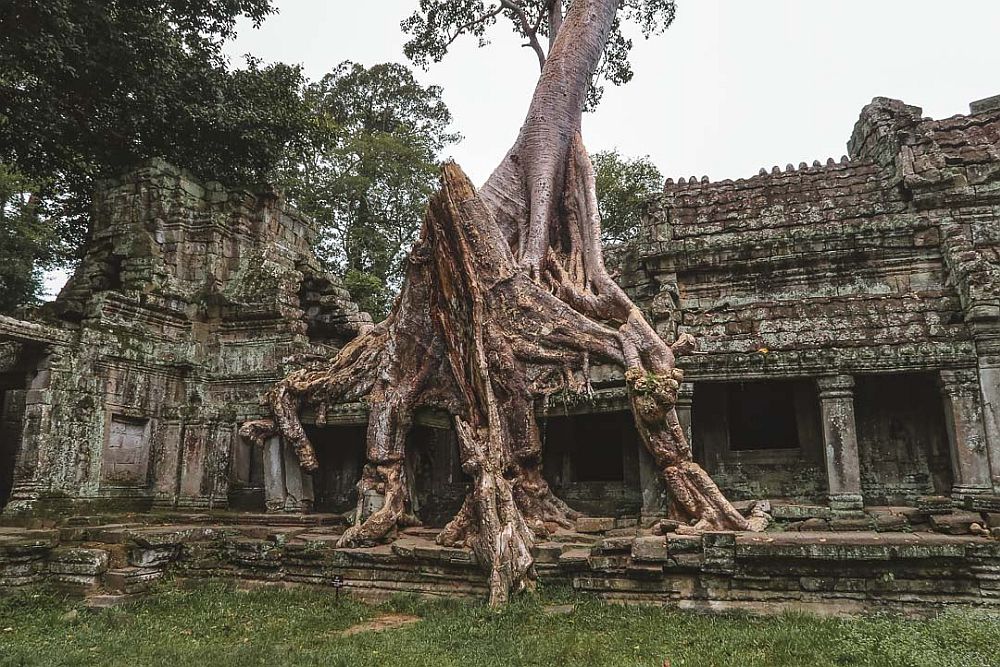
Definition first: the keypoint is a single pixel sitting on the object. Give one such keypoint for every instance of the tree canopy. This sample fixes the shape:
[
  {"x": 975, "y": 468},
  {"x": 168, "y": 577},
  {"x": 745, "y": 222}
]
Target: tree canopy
[
  {"x": 623, "y": 184},
  {"x": 368, "y": 170},
  {"x": 436, "y": 24},
  {"x": 26, "y": 242},
  {"x": 88, "y": 87}
]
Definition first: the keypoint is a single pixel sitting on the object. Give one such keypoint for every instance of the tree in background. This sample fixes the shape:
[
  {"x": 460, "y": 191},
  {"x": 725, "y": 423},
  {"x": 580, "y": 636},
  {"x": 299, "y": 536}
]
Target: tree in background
[
  {"x": 623, "y": 185},
  {"x": 89, "y": 87},
  {"x": 26, "y": 243},
  {"x": 367, "y": 172}
]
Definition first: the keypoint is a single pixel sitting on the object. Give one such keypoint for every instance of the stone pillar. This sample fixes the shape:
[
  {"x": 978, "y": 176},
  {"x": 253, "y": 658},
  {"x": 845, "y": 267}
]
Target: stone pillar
[
  {"x": 685, "y": 400},
  {"x": 274, "y": 475},
  {"x": 988, "y": 348},
  {"x": 966, "y": 432},
  {"x": 840, "y": 442},
  {"x": 298, "y": 484}
]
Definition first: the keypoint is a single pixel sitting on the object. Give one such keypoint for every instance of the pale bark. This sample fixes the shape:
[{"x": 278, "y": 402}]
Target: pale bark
[{"x": 507, "y": 299}]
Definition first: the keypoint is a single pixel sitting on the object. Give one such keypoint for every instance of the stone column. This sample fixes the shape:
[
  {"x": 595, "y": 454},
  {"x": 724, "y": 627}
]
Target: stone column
[
  {"x": 840, "y": 442},
  {"x": 274, "y": 475},
  {"x": 966, "y": 433},
  {"x": 988, "y": 348},
  {"x": 298, "y": 484},
  {"x": 685, "y": 400}
]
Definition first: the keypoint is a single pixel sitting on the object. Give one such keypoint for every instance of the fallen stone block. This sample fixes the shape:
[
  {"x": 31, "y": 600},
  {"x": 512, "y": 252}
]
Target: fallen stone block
[
  {"x": 615, "y": 544},
  {"x": 814, "y": 525},
  {"x": 955, "y": 523},
  {"x": 547, "y": 552},
  {"x": 131, "y": 580},
  {"x": 153, "y": 557},
  {"x": 574, "y": 558},
  {"x": 653, "y": 548},
  {"x": 935, "y": 504},
  {"x": 800, "y": 512},
  {"x": 861, "y": 523},
  {"x": 593, "y": 524},
  {"x": 75, "y": 560}
]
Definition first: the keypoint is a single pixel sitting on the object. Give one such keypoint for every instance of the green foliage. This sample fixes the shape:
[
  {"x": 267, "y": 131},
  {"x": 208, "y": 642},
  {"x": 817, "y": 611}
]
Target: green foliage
[
  {"x": 217, "y": 625},
  {"x": 623, "y": 185},
  {"x": 438, "y": 23},
  {"x": 367, "y": 172},
  {"x": 88, "y": 87},
  {"x": 26, "y": 243}
]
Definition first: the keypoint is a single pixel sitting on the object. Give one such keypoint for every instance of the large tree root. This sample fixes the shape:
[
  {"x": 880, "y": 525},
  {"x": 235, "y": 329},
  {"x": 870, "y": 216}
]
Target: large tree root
[{"x": 506, "y": 299}]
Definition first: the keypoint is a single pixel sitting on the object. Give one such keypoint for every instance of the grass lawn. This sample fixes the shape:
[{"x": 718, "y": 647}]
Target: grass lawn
[{"x": 217, "y": 625}]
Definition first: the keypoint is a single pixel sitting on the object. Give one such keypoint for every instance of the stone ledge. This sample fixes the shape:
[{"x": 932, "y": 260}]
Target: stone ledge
[{"x": 767, "y": 572}]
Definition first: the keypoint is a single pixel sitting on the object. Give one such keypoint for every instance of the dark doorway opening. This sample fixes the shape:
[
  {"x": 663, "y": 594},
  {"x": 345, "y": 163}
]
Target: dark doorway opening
[
  {"x": 902, "y": 438},
  {"x": 340, "y": 450},
  {"x": 18, "y": 371},
  {"x": 438, "y": 483},
  {"x": 8, "y": 453},
  {"x": 760, "y": 439},
  {"x": 592, "y": 461}
]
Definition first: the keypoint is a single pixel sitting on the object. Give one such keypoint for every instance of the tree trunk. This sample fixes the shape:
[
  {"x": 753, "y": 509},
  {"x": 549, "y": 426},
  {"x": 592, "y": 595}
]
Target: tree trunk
[{"x": 506, "y": 299}]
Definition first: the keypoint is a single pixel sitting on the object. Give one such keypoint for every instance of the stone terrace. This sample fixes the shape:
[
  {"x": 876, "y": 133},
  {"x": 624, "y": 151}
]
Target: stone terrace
[{"x": 823, "y": 572}]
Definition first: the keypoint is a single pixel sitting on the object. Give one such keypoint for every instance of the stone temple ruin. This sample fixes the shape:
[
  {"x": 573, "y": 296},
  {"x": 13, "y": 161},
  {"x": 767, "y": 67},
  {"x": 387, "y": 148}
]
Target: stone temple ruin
[{"x": 854, "y": 302}]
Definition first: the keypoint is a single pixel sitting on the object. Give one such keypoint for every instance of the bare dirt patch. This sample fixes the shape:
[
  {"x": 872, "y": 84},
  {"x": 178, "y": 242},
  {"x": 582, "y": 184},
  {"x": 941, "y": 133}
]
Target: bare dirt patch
[{"x": 387, "y": 622}]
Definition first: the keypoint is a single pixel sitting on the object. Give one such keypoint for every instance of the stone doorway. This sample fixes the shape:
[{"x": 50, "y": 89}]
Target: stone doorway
[
  {"x": 902, "y": 438},
  {"x": 434, "y": 465},
  {"x": 17, "y": 372},
  {"x": 592, "y": 461},
  {"x": 340, "y": 450}
]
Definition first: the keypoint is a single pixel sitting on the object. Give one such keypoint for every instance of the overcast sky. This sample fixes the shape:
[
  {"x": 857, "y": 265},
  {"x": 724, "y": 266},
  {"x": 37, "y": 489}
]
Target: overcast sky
[{"x": 730, "y": 87}]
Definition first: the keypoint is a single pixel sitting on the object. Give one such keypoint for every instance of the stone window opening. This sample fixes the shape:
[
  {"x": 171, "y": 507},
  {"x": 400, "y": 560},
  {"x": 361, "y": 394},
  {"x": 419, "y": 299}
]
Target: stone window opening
[
  {"x": 762, "y": 416},
  {"x": 592, "y": 461}
]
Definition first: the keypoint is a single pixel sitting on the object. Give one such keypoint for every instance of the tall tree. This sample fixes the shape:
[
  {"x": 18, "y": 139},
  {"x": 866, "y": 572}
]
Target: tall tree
[
  {"x": 368, "y": 171},
  {"x": 506, "y": 300},
  {"x": 26, "y": 242},
  {"x": 438, "y": 23},
  {"x": 622, "y": 185},
  {"x": 88, "y": 87}
]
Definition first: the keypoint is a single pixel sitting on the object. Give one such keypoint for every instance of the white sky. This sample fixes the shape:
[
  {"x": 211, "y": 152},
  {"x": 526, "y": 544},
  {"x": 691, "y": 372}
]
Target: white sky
[{"x": 732, "y": 86}]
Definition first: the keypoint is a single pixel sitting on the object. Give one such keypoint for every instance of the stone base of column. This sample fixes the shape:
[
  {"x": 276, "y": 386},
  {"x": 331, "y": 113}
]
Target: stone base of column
[
  {"x": 986, "y": 503},
  {"x": 961, "y": 493},
  {"x": 846, "y": 504}
]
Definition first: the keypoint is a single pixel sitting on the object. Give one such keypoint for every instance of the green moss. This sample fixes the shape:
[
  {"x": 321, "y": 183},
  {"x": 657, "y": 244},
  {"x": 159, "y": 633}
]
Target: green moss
[{"x": 218, "y": 625}]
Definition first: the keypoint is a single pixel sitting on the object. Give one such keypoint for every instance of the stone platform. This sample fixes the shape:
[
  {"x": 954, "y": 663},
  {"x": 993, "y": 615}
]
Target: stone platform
[{"x": 822, "y": 572}]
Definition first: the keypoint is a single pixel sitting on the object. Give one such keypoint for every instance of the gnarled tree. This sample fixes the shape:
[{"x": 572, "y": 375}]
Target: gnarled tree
[{"x": 506, "y": 299}]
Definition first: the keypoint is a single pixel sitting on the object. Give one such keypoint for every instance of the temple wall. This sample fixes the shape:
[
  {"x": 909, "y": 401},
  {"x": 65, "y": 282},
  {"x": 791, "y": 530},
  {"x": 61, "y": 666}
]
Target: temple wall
[
  {"x": 872, "y": 281},
  {"x": 191, "y": 301}
]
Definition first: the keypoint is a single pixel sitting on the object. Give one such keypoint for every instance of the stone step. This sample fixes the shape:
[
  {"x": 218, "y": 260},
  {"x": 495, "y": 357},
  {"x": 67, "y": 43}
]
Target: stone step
[{"x": 130, "y": 580}]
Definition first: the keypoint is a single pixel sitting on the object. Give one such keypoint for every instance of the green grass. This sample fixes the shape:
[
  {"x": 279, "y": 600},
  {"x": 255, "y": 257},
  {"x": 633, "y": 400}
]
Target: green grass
[{"x": 217, "y": 625}]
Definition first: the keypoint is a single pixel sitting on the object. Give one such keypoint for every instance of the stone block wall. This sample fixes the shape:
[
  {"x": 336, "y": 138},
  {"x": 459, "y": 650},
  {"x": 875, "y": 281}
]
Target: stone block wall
[
  {"x": 876, "y": 272},
  {"x": 191, "y": 300}
]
